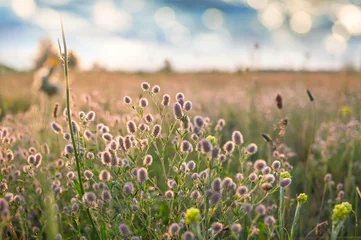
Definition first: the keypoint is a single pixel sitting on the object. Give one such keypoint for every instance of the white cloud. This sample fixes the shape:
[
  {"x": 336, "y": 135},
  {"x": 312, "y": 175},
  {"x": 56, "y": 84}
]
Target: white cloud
[{"x": 108, "y": 16}]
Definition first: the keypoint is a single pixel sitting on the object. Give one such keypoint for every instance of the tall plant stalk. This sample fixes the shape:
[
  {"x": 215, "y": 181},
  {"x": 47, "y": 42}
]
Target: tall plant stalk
[{"x": 64, "y": 57}]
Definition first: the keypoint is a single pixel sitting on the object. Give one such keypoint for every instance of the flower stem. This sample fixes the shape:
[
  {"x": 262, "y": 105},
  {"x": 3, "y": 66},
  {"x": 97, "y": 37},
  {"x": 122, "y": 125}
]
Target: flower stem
[
  {"x": 280, "y": 217},
  {"x": 295, "y": 220}
]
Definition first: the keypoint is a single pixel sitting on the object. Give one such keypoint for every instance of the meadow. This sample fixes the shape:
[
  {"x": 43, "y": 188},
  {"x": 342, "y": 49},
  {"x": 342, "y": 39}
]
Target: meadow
[{"x": 247, "y": 155}]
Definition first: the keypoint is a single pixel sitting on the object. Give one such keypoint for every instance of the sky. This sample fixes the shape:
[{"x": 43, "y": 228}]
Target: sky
[{"x": 134, "y": 35}]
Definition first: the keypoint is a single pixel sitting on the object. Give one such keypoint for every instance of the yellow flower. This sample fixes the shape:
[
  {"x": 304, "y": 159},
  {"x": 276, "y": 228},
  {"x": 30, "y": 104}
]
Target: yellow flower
[
  {"x": 285, "y": 174},
  {"x": 212, "y": 139},
  {"x": 193, "y": 215},
  {"x": 340, "y": 211},
  {"x": 302, "y": 198}
]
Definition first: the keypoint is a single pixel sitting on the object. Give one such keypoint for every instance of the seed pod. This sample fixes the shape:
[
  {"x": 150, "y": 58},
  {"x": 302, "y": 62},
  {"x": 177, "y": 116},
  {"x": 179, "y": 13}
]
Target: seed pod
[
  {"x": 310, "y": 95},
  {"x": 266, "y": 137},
  {"x": 279, "y": 102}
]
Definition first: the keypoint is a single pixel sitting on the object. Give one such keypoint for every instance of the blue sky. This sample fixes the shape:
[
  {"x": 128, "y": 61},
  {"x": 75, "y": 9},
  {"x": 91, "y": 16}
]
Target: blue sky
[{"x": 193, "y": 34}]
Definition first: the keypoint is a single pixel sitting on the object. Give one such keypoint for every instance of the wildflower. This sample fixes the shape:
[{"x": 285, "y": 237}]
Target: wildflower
[
  {"x": 188, "y": 236},
  {"x": 266, "y": 170},
  {"x": 134, "y": 207},
  {"x": 195, "y": 194},
  {"x": 302, "y": 198},
  {"x": 193, "y": 215},
  {"x": 155, "y": 89},
  {"x": 148, "y": 159},
  {"x": 285, "y": 174},
  {"x": 106, "y": 157},
  {"x": 106, "y": 196},
  {"x": 104, "y": 175},
  {"x": 328, "y": 177},
  {"x": 285, "y": 182},
  {"x": 142, "y": 174},
  {"x": 90, "y": 155},
  {"x": 143, "y": 102},
  {"x": 56, "y": 127},
  {"x": 187, "y": 106},
  {"x": 261, "y": 209},
  {"x": 131, "y": 127},
  {"x": 156, "y": 130},
  {"x": 186, "y": 146},
  {"x": 340, "y": 211},
  {"x": 191, "y": 165},
  {"x": 206, "y": 145},
  {"x": 270, "y": 178},
  {"x": 237, "y": 137},
  {"x": 199, "y": 121},
  {"x": 253, "y": 177},
  {"x": 179, "y": 95},
  {"x": 166, "y": 100},
  {"x": 214, "y": 199},
  {"x": 226, "y": 183},
  {"x": 169, "y": 194},
  {"x": 89, "y": 199},
  {"x": 259, "y": 164},
  {"x": 145, "y": 86},
  {"x": 216, "y": 185},
  {"x": 247, "y": 207},
  {"x": 148, "y": 118},
  {"x": 75, "y": 127},
  {"x": 90, "y": 116},
  {"x": 88, "y": 174},
  {"x": 124, "y": 230},
  {"x": 236, "y": 227},
  {"x": 127, "y": 100},
  {"x": 269, "y": 220},
  {"x": 128, "y": 188},
  {"x": 228, "y": 147},
  {"x": 252, "y": 148},
  {"x": 242, "y": 190},
  {"x": 212, "y": 139},
  {"x": 173, "y": 229},
  {"x": 216, "y": 227},
  {"x": 177, "y": 111},
  {"x": 276, "y": 165},
  {"x": 183, "y": 167},
  {"x": 107, "y": 137}
]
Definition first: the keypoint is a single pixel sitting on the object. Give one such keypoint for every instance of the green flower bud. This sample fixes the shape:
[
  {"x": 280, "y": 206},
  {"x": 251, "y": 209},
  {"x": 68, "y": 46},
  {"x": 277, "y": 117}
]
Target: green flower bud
[
  {"x": 193, "y": 215},
  {"x": 302, "y": 198},
  {"x": 212, "y": 139},
  {"x": 285, "y": 174}
]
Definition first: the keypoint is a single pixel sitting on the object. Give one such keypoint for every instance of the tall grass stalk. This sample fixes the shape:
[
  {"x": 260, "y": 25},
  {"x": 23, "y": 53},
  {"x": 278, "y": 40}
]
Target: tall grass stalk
[
  {"x": 310, "y": 96},
  {"x": 64, "y": 57},
  {"x": 295, "y": 220},
  {"x": 280, "y": 215}
]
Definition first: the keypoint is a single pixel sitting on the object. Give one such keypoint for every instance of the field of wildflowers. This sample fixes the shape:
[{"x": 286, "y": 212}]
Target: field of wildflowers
[{"x": 154, "y": 164}]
